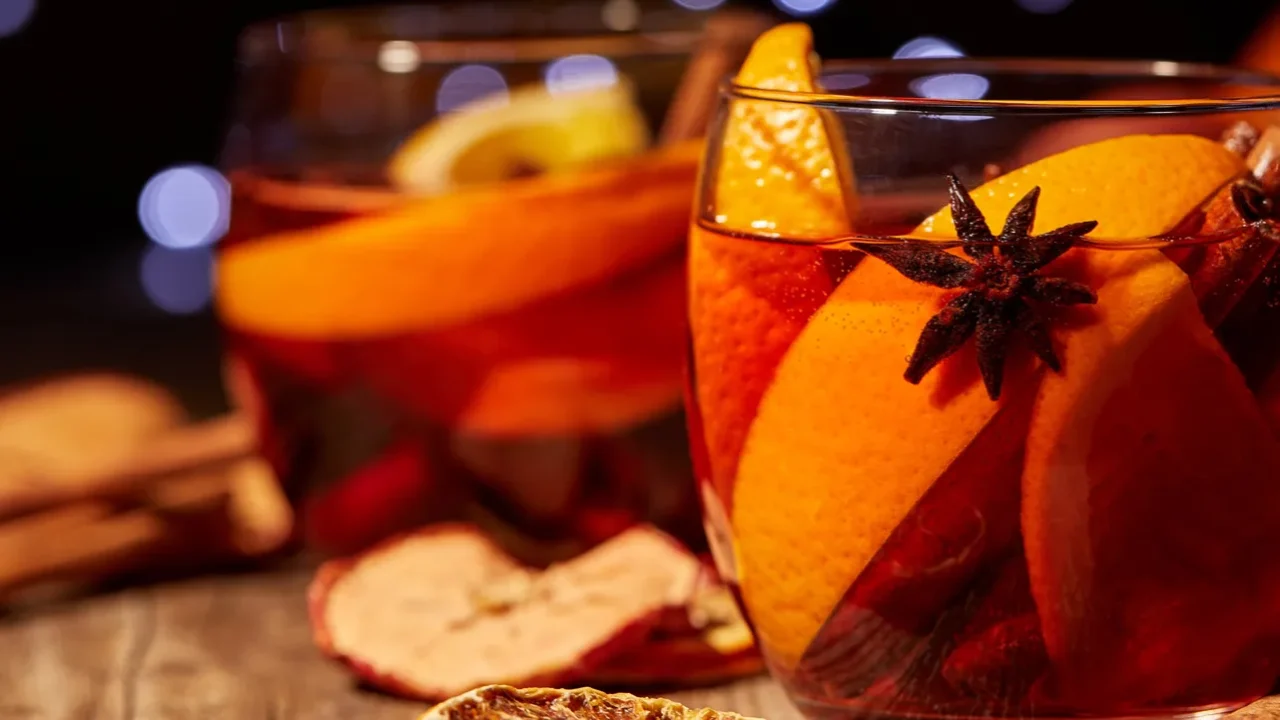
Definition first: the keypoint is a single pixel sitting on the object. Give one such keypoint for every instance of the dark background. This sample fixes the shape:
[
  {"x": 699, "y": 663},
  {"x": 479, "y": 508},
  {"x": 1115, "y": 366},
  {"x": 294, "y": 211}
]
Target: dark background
[{"x": 96, "y": 96}]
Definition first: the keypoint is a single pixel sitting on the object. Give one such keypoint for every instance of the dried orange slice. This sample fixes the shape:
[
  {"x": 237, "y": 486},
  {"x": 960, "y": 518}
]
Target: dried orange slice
[
  {"x": 503, "y": 702},
  {"x": 775, "y": 171},
  {"x": 861, "y": 444},
  {"x": 452, "y": 258}
]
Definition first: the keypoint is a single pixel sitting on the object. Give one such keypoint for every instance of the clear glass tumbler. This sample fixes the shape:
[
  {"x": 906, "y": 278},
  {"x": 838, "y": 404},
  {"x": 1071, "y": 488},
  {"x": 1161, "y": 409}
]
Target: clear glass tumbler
[
  {"x": 453, "y": 285},
  {"x": 985, "y": 400}
]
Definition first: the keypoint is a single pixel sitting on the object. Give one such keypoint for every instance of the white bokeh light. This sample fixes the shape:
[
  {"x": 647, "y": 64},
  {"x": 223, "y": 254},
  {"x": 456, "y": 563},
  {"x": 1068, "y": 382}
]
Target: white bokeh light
[
  {"x": 14, "y": 15},
  {"x": 467, "y": 83},
  {"x": 803, "y": 7},
  {"x": 185, "y": 206},
  {"x": 178, "y": 281},
  {"x": 951, "y": 86},
  {"x": 574, "y": 73},
  {"x": 699, "y": 4},
  {"x": 927, "y": 46},
  {"x": 1043, "y": 7},
  {"x": 399, "y": 56}
]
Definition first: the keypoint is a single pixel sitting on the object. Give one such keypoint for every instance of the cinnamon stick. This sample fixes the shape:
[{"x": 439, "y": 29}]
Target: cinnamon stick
[
  {"x": 725, "y": 40},
  {"x": 203, "y": 446},
  {"x": 190, "y": 518},
  {"x": 71, "y": 539}
]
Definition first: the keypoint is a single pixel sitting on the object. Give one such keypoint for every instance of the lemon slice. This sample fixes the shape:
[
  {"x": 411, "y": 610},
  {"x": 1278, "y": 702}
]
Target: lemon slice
[{"x": 501, "y": 136}]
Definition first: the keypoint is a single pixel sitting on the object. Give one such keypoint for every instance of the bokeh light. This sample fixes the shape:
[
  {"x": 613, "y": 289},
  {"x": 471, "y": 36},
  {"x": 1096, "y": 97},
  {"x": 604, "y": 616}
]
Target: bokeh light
[
  {"x": 1043, "y": 7},
  {"x": 178, "y": 281},
  {"x": 398, "y": 56},
  {"x": 574, "y": 73},
  {"x": 185, "y": 206},
  {"x": 14, "y": 15},
  {"x": 699, "y": 4},
  {"x": 927, "y": 46},
  {"x": 620, "y": 15},
  {"x": 951, "y": 86},
  {"x": 803, "y": 7},
  {"x": 467, "y": 83},
  {"x": 845, "y": 81}
]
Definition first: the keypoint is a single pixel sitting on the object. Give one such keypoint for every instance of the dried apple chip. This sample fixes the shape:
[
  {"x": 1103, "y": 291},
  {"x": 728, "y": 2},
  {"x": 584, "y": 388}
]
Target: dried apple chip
[{"x": 443, "y": 611}]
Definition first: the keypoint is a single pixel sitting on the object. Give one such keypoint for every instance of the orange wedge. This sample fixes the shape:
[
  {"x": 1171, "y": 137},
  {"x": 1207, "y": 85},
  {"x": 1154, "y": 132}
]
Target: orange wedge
[
  {"x": 842, "y": 447},
  {"x": 588, "y": 361},
  {"x": 456, "y": 257},
  {"x": 1129, "y": 184},
  {"x": 1151, "y": 508},
  {"x": 774, "y": 171}
]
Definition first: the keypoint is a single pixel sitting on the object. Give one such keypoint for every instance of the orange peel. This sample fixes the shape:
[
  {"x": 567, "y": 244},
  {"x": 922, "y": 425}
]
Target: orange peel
[
  {"x": 774, "y": 170},
  {"x": 588, "y": 361},
  {"x": 443, "y": 260}
]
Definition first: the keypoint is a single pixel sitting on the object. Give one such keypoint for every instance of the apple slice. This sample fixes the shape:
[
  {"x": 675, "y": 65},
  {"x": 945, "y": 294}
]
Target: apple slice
[{"x": 443, "y": 611}]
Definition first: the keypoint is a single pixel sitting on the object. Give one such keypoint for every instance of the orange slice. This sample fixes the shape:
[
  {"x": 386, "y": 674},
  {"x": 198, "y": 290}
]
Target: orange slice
[
  {"x": 1151, "y": 511},
  {"x": 1129, "y": 184},
  {"x": 842, "y": 447},
  {"x": 486, "y": 140},
  {"x": 455, "y": 257},
  {"x": 1150, "y": 507},
  {"x": 774, "y": 171},
  {"x": 588, "y": 361}
]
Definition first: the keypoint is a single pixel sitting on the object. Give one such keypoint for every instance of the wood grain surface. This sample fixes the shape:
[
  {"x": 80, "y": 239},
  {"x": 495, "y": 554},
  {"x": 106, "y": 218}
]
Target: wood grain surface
[{"x": 231, "y": 647}]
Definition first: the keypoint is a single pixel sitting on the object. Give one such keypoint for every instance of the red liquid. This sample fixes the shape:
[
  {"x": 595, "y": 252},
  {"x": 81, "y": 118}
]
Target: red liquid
[
  {"x": 943, "y": 621},
  {"x": 378, "y": 435}
]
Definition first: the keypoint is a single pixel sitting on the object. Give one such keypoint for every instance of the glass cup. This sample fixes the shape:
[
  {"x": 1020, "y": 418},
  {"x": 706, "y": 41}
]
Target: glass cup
[
  {"x": 454, "y": 278},
  {"x": 984, "y": 402}
]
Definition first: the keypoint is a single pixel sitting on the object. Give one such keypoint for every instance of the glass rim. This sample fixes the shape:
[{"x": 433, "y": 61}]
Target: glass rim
[
  {"x": 324, "y": 34},
  {"x": 1100, "y": 69}
]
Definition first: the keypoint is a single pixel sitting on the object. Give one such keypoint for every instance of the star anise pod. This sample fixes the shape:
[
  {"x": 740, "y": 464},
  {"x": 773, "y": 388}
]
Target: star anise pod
[{"x": 1003, "y": 290}]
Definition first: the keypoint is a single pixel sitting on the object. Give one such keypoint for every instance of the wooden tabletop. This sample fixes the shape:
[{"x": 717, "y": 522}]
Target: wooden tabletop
[
  {"x": 230, "y": 647},
  {"x": 233, "y": 647}
]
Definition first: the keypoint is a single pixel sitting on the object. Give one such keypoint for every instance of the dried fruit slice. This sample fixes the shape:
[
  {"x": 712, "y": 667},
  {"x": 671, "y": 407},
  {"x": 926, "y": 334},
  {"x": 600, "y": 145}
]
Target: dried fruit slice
[
  {"x": 501, "y": 702},
  {"x": 840, "y": 418},
  {"x": 999, "y": 654},
  {"x": 707, "y": 642},
  {"x": 1150, "y": 508},
  {"x": 587, "y": 361},
  {"x": 443, "y": 611},
  {"x": 1001, "y": 662},
  {"x": 484, "y": 250},
  {"x": 530, "y": 129},
  {"x": 775, "y": 172}
]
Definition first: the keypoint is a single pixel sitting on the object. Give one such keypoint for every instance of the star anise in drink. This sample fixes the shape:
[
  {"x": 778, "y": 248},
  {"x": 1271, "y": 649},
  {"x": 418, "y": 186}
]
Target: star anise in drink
[{"x": 1002, "y": 288}]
